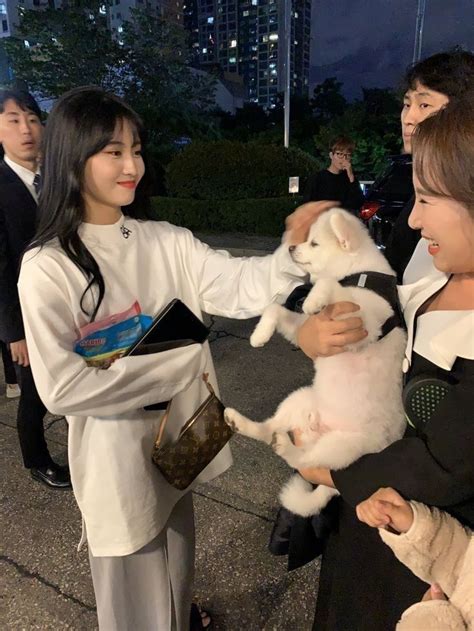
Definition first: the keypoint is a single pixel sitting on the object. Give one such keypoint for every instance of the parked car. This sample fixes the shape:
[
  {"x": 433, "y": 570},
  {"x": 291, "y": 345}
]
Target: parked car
[{"x": 386, "y": 198}]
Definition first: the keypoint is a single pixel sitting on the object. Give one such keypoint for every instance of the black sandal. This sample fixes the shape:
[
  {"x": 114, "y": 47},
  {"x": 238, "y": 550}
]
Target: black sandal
[{"x": 196, "y": 619}]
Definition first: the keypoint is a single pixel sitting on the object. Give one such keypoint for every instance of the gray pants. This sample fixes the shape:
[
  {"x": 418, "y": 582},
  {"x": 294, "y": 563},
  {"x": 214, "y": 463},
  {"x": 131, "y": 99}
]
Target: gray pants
[{"x": 151, "y": 589}]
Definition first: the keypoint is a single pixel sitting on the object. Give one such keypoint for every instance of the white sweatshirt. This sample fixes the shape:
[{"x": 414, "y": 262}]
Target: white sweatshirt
[{"x": 123, "y": 499}]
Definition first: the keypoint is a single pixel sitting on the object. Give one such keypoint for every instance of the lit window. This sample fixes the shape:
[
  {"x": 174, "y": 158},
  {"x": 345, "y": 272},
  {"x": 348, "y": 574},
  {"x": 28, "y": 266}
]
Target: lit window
[
  {"x": 120, "y": 29},
  {"x": 232, "y": 60},
  {"x": 27, "y": 43},
  {"x": 264, "y": 38},
  {"x": 3, "y": 9},
  {"x": 245, "y": 13},
  {"x": 204, "y": 51},
  {"x": 273, "y": 37},
  {"x": 296, "y": 14},
  {"x": 273, "y": 71},
  {"x": 233, "y": 43},
  {"x": 296, "y": 42},
  {"x": 254, "y": 3},
  {"x": 102, "y": 9},
  {"x": 210, "y": 20}
]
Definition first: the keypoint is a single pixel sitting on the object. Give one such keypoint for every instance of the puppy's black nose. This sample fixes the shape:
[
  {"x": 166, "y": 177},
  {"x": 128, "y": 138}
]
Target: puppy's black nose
[{"x": 292, "y": 248}]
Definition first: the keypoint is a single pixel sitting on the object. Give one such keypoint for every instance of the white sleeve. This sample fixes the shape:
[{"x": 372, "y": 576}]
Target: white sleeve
[
  {"x": 65, "y": 383},
  {"x": 240, "y": 287}
]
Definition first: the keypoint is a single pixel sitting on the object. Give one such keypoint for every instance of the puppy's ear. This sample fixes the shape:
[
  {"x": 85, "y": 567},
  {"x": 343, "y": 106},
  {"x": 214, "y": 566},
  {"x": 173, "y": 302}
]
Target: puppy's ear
[{"x": 345, "y": 229}]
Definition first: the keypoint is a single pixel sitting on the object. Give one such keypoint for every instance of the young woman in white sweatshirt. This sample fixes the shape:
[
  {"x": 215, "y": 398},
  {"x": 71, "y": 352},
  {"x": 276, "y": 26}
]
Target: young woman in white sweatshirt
[{"x": 96, "y": 252}]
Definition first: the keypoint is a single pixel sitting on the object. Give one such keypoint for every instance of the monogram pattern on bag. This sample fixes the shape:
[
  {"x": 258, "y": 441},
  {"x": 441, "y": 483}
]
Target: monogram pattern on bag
[{"x": 181, "y": 462}]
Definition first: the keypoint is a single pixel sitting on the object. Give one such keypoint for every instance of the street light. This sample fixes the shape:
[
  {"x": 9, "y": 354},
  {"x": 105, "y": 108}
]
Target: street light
[
  {"x": 287, "y": 69},
  {"x": 420, "y": 20}
]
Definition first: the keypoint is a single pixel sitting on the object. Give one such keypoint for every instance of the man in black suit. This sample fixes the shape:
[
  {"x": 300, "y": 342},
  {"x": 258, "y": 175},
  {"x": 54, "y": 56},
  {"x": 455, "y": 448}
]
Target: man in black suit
[{"x": 20, "y": 136}]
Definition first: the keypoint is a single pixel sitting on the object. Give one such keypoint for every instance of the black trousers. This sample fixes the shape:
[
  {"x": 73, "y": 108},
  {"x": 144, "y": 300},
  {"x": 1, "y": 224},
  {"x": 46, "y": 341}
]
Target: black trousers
[
  {"x": 30, "y": 418},
  {"x": 8, "y": 365}
]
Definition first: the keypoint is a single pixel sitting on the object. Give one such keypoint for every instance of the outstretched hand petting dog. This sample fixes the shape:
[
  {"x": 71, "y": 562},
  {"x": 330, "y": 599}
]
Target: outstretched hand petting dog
[{"x": 297, "y": 224}]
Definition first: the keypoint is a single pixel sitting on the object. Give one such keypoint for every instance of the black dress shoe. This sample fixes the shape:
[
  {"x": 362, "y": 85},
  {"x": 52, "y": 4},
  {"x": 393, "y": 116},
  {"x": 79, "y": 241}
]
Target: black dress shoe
[{"x": 54, "y": 476}]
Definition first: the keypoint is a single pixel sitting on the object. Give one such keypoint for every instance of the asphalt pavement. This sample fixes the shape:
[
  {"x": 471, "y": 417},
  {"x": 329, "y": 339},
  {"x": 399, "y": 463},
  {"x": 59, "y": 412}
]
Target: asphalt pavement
[{"x": 45, "y": 583}]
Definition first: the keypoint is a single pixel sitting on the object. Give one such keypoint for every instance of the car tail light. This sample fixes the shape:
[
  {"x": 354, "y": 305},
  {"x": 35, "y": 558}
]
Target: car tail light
[{"x": 369, "y": 209}]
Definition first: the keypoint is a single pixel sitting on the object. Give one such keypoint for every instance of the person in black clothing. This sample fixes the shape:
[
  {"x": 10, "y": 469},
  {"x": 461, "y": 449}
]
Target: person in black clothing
[
  {"x": 20, "y": 135},
  {"x": 362, "y": 585},
  {"x": 11, "y": 380},
  {"x": 337, "y": 182},
  {"x": 428, "y": 85}
]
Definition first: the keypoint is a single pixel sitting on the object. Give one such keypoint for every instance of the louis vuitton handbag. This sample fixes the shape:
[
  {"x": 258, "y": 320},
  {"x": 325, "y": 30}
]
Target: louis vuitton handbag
[{"x": 199, "y": 441}]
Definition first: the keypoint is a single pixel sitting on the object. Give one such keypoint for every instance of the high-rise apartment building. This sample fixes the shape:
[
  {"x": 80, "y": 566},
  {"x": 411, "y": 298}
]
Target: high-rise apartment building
[
  {"x": 119, "y": 11},
  {"x": 247, "y": 37}
]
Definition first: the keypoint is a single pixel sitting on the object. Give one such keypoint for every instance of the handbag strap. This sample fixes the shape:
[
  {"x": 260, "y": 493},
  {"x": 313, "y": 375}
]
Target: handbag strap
[{"x": 164, "y": 418}]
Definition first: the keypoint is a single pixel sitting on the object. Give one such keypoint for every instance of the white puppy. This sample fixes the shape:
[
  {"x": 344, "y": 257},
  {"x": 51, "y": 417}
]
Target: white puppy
[{"x": 354, "y": 405}]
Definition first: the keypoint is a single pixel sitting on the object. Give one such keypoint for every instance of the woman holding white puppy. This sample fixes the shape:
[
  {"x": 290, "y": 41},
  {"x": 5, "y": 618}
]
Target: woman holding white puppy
[{"x": 362, "y": 586}]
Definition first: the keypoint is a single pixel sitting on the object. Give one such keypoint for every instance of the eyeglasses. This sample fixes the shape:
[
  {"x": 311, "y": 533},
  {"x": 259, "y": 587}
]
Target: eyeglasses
[{"x": 340, "y": 154}]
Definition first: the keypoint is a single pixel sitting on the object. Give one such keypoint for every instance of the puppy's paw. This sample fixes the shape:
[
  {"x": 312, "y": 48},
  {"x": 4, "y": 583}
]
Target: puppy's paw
[
  {"x": 280, "y": 443},
  {"x": 231, "y": 417},
  {"x": 260, "y": 337},
  {"x": 313, "y": 306}
]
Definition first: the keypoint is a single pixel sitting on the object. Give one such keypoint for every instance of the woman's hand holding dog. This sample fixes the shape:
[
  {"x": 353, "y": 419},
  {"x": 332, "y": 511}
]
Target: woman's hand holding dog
[
  {"x": 315, "y": 475},
  {"x": 323, "y": 335}
]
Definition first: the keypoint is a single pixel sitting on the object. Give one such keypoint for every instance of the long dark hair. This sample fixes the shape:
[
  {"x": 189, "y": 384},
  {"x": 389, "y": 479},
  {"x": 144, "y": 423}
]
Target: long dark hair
[{"x": 80, "y": 125}]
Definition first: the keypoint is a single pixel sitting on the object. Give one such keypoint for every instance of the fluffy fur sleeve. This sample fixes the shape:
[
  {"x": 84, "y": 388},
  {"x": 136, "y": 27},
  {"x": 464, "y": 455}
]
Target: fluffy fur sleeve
[
  {"x": 434, "y": 548},
  {"x": 435, "y": 615},
  {"x": 438, "y": 550}
]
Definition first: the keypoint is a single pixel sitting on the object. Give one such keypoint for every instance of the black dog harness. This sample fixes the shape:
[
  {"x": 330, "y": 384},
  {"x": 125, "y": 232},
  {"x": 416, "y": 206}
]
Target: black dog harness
[{"x": 384, "y": 285}]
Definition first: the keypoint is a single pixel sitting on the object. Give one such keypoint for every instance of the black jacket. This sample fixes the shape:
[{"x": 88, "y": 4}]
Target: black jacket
[
  {"x": 402, "y": 241},
  {"x": 327, "y": 185},
  {"x": 434, "y": 465},
  {"x": 18, "y": 215}
]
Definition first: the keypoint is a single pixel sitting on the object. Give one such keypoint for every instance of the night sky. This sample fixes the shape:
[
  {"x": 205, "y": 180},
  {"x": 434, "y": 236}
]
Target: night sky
[{"x": 369, "y": 43}]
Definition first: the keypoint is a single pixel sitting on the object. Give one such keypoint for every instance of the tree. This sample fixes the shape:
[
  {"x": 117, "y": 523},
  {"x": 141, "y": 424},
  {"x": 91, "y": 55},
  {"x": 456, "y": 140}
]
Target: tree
[
  {"x": 55, "y": 50},
  {"x": 59, "y": 49},
  {"x": 327, "y": 100},
  {"x": 248, "y": 120},
  {"x": 374, "y": 130},
  {"x": 157, "y": 77}
]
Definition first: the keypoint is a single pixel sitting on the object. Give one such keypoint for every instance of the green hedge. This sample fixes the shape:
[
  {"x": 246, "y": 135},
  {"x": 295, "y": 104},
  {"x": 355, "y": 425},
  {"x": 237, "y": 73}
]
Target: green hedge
[
  {"x": 251, "y": 216},
  {"x": 236, "y": 170}
]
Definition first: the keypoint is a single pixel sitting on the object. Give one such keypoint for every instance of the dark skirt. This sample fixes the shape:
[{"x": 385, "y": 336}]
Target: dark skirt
[{"x": 362, "y": 586}]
